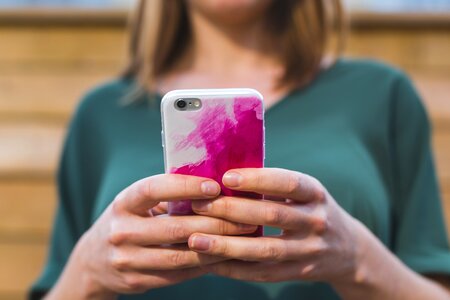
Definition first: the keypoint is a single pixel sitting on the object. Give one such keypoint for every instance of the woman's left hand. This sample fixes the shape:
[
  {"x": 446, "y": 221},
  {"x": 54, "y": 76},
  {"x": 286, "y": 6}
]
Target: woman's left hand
[{"x": 319, "y": 240}]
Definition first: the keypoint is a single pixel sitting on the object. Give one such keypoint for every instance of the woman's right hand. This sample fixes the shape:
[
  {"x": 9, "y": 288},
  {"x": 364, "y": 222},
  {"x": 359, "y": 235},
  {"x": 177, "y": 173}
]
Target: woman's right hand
[{"x": 129, "y": 250}]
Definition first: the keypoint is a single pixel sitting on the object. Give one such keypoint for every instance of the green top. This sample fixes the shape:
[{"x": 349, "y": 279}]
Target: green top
[{"x": 360, "y": 128}]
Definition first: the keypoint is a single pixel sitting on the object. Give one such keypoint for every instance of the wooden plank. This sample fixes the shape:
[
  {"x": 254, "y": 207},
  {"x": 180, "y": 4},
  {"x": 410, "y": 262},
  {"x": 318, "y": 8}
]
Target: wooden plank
[
  {"x": 416, "y": 49},
  {"x": 435, "y": 91},
  {"x": 445, "y": 190},
  {"x": 26, "y": 210},
  {"x": 61, "y": 67},
  {"x": 71, "y": 44},
  {"x": 389, "y": 20},
  {"x": 446, "y": 208},
  {"x": 63, "y": 16},
  {"x": 29, "y": 149},
  {"x": 441, "y": 147},
  {"x": 12, "y": 296},
  {"x": 53, "y": 95},
  {"x": 20, "y": 264}
]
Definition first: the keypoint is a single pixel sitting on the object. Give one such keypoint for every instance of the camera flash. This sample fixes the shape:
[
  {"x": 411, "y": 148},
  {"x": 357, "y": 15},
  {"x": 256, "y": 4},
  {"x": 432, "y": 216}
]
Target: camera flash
[{"x": 197, "y": 103}]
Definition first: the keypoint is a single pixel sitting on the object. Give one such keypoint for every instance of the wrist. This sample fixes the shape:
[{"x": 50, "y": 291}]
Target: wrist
[
  {"x": 77, "y": 280},
  {"x": 91, "y": 286},
  {"x": 360, "y": 280}
]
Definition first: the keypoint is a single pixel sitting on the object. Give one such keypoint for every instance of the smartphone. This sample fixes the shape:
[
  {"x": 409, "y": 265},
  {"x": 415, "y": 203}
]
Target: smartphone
[{"x": 206, "y": 132}]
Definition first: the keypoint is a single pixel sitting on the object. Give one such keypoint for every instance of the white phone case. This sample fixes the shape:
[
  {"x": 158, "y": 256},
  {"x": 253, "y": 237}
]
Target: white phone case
[{"x": 226, "y": 132}]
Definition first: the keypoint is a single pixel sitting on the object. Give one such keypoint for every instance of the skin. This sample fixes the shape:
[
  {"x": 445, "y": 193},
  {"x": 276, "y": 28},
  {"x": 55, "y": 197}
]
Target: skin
[{"x": 126, "y": 250}]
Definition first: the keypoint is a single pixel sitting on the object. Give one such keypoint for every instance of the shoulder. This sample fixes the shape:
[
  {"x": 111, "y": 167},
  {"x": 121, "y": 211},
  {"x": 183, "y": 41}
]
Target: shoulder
[
  {"x": 393, "y": 85},
  {"x": 103, "y": 101},
  {"x": 114, "y": 87},
  {"x": 368, "y": 69},
  {"x": 372, "y": 76},
  {"x": 106, "y": 95}
]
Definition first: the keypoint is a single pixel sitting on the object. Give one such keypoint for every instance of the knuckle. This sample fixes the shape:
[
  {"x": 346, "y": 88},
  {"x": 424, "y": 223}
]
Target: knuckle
[
  {"x": 181, "y": 184},
  {"x": 134, "y": 283},
  {"x": 273, "y": 215},
  {"x": 185, "y": 186},
  {"x": 146, "y": 188},
  {"x": 220, "y": 248},
  {"x": 116, "y": 206},
  {"x": 117, "y": 238},
  {"x": 320, "y": 225},
  {"x": 270, "y": 252},
  {"x": 119, "y": 261},
  {"x": 116, "y": 235},
  {"x": 320, "y": 193},
  {"x": 259, "y": 180},
  {"x": 318, "y": 249},
  {"x": 176, "y": 231},
  {"x": 177, "y": 259},
  {"x": 222, "y": 227},
  {"x": 221, "y": 207},
  {"x": 293, "y": 184}
]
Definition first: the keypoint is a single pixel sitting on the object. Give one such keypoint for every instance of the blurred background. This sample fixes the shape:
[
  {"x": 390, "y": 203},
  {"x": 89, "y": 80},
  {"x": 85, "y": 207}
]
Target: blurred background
[{"x": 52, "y": 51}]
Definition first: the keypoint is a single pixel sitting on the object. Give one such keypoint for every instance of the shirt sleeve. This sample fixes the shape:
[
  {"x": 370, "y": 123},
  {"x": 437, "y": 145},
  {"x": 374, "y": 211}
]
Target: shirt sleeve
[
  {"x": 420, "y": 239},
  {"x": 75, "y": 180}
]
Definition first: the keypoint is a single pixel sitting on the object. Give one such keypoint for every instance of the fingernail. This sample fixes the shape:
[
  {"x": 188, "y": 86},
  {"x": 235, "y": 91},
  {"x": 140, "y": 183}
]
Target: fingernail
[
  {"x": 232, "y": 179},
  {"x": 200, "y": 242},
  {"x": 210, "y": 188},
  {"x": 201, "y": 206}
]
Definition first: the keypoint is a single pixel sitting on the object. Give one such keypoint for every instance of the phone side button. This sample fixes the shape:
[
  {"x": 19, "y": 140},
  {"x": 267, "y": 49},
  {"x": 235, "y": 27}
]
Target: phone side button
[{"x": 162, "y": 138}]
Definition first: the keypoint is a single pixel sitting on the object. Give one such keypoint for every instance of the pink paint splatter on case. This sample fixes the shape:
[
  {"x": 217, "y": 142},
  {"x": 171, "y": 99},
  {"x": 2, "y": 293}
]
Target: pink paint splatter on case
[{"x": 229, "y": 143}]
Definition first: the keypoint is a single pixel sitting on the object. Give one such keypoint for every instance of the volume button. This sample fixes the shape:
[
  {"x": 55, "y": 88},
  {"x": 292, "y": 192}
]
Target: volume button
[{"x": 162, "y": 138}]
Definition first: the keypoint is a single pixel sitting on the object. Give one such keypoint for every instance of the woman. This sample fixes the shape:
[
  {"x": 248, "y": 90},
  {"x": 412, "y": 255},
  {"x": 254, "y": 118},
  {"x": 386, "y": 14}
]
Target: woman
[{"x": 365, "y": 223}]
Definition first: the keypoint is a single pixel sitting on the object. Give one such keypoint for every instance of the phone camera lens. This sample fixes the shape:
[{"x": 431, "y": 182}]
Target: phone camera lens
[{"x": 181, "y": 104}]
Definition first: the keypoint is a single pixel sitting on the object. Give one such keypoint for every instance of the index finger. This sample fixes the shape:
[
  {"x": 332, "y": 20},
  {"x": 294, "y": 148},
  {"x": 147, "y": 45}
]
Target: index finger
[
  {"x": 148, "y": 192},
  {"x": 275, "y": 182}
]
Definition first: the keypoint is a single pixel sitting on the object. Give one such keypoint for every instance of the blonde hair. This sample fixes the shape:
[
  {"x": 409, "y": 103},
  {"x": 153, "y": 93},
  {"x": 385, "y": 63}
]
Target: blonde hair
[{"x": 160, "y": 31}]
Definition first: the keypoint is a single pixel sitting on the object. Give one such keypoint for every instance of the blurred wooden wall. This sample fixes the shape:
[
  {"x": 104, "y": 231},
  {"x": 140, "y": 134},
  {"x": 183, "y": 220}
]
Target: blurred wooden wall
[{"x": 45, "y": 69}]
